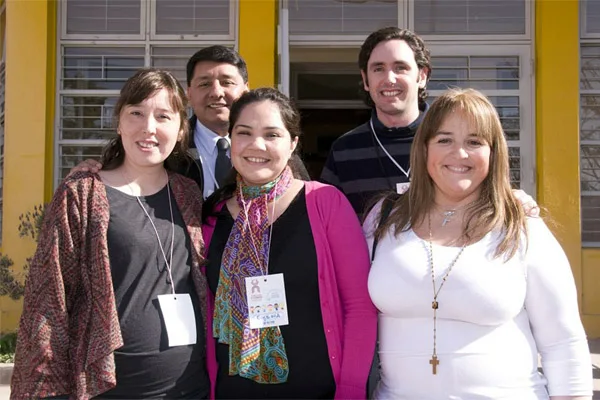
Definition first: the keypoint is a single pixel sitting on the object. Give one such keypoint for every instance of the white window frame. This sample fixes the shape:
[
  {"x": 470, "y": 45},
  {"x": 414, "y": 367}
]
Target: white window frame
[
  {"x": 118, "y": 41},
  {"x": 527, "y": 137},
  {"x": 529, "y": 12},
  {"x": 233, "y": 26},
  {"x": 62, "y": 5},
  {"x": 283, "y": 48},
  {"x": 338, "y": 39}
]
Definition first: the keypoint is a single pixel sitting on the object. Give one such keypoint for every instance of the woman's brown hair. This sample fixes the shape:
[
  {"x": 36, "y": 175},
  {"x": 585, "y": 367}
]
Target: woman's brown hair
[
  {"x": 496, "y": 208},
  {"x": 142, "y": 85}
]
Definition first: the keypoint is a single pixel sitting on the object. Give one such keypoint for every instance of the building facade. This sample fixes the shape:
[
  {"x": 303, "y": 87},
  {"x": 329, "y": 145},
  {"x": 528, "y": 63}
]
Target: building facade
[{"x": 65, "y": 61}]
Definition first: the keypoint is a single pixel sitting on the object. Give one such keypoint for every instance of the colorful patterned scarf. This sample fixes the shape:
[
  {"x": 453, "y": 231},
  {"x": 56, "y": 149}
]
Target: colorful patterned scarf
[{"x": 257, "y": 354}]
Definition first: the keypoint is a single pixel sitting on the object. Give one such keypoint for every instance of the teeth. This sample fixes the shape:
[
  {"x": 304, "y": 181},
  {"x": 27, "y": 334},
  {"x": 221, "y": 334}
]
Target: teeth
[
  {"x": 147, "y": 145},
  {"x": 458, "y": 169},
  {"x": 256, "y": 159},
  {"x": 217, "y": 105},
  {"x": 390, "y": 93}
]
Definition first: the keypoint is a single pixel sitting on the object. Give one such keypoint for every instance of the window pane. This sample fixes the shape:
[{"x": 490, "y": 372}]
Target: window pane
[
  {"x": 508, "y": 110},
  {"x": 466, "y": 17},
  {"x": 88, "y": 117},
  {"x": 590, "y": 68},
  {"x": 514, "y": 154},
  {"x": 592, "y": 16},
  {"x": 590, "y": 118},
  {"x": 93, "y": 68},
  {"x": 71, "y": 155},
  {"x": 103, "y": 17},
  {"x": 173, "y": 59},
  {"x": 482, "y": 73},
  {"x": 341, "y": 17},
  {"x": 192, "y": 17},
  {"x": 590, "y": 219},
  {"x": 590, "y": 168}
]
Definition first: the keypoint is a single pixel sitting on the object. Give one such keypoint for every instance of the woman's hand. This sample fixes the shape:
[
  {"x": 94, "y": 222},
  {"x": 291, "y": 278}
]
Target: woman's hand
[{"x": 530, "y": 207}]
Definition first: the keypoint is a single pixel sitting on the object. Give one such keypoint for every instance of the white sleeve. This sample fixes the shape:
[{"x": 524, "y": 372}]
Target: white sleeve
[
  {"x": 551, "y": 304},
  {"x": 370, "y": 224}
]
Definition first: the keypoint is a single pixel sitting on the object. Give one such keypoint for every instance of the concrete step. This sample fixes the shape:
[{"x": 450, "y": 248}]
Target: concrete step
[{"x": 5, "y": 373}]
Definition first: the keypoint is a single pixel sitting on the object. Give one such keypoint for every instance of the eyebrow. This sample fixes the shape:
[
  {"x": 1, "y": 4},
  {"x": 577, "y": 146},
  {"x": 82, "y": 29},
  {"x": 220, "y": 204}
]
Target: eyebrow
[
  {"x": 379, "y": 63},
  {"x": 451, "y": 133},
  {"x": 250, "y": 127},
  {"x": 203, "y": 77}
]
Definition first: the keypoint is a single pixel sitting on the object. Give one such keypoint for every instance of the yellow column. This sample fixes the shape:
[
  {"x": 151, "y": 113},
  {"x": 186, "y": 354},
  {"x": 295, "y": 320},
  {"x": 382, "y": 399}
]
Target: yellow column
[
  {"x": 557, "y": 120},
  {"x": 30, "y": 73},
  {"x": 258, "y": 40}
]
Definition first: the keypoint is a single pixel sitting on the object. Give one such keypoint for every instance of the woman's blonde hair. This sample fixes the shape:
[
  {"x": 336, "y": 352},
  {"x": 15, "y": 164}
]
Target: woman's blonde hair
[{"x": 496, "y": 208}]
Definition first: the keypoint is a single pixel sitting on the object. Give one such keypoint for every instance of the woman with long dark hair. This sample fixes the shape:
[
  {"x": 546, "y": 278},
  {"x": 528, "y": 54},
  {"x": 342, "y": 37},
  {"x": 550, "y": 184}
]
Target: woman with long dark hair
[{"x": 288, "y": 267}]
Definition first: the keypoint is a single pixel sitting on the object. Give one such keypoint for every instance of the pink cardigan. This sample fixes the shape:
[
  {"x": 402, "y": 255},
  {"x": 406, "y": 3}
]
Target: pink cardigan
[{"x": 349, "y": 317}]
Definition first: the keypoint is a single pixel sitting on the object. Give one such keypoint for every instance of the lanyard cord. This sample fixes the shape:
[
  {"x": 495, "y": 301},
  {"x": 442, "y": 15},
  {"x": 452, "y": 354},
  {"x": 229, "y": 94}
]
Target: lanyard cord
[
  {"x": 247, "y": 222},
  {"x": 162, "y": 250},
  {"x": 406, "y": 173}
]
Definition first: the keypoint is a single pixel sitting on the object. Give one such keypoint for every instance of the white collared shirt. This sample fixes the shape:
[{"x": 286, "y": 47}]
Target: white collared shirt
[{"x": 206, "y": 144}]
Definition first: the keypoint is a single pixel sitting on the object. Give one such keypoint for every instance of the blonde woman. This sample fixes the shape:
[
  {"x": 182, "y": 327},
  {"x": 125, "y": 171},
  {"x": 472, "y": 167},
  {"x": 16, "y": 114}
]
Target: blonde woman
[{"x": 469, "y": 289}]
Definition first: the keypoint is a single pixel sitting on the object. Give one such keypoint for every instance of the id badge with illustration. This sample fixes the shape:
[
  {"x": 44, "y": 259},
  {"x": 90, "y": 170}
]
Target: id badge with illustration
[{"x": 267, "y": 306}]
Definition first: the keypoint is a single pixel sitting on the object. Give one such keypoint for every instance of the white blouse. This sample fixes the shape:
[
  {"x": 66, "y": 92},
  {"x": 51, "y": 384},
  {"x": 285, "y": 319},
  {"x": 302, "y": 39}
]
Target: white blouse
[{"x": 494, "y": 317}]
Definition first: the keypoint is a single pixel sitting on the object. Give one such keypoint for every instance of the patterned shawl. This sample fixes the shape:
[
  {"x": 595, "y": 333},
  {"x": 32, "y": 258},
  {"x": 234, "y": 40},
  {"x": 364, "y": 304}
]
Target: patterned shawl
[{"x": 257, "y": 354}]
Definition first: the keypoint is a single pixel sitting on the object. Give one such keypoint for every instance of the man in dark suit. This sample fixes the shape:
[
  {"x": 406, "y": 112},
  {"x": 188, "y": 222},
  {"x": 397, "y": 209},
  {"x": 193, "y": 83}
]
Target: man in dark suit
[{"x": 216, "y": 77}]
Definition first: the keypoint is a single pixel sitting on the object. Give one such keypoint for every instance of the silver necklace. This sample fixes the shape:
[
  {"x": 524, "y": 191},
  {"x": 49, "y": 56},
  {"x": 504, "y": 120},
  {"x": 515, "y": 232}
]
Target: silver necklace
[
  {"x": 449, "y": 214},
  {"x": 162, "y": 250}
]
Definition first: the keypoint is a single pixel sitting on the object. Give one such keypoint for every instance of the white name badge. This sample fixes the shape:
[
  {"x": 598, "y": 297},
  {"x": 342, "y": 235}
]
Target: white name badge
[
  {"x": 267, "y": 306},
  {"x": 401, "y": 188},
  {"x": 179, "y": 317}
]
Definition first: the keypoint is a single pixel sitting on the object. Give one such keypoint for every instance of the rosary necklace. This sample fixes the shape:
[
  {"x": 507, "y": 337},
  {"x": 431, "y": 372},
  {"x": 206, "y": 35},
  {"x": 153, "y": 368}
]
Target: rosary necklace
[{"x": 435, "y": 304}]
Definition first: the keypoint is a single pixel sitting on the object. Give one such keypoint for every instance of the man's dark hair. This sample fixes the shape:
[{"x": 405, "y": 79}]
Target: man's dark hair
[
  {"x": 219, "y": 54},
  {"x": 417, "y": 45}
]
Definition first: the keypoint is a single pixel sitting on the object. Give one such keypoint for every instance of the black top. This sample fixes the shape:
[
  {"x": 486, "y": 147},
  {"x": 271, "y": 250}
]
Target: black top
[
  {"x": 146, "y": 366},
  {"x": 293, "y": 253}
]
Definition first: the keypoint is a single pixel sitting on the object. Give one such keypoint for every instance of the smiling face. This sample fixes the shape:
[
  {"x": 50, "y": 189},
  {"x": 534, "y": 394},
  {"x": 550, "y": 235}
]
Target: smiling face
[
  {"x": 393, "y": 79},
  {"x": 458, "y": 160},
  {"x": 149, "y": 130},
  {"x": 261, "y": 145},
  {"x": 213, "y": 88}
]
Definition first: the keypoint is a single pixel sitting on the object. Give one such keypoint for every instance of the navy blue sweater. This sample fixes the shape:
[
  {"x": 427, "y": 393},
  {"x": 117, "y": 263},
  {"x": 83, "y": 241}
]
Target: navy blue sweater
[{"x": 360, "y": 168}]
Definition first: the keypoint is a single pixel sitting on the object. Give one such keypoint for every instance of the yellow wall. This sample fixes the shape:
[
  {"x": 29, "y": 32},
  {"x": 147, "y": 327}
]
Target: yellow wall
[
  {"x": 591, "y": 294},
  {"x": 557, "y": 120},
  {"x": 258, "y": 40},
  {"x": 30, "y": 73}
]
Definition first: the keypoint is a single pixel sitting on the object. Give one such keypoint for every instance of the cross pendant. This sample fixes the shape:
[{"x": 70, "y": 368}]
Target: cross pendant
[
  {"x": 434, "y": 363},
  {"x": 447, "y": 217}
]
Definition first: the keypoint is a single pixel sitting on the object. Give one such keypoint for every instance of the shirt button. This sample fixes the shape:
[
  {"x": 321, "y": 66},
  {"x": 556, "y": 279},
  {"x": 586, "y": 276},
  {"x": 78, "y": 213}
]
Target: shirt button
[
  {"x": 333, "y": 357},
  {"x": 328, "y": 330}
]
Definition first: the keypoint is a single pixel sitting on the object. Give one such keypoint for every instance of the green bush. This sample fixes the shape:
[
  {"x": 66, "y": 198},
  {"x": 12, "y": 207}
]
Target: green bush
[
  {"x": 8, "y": 344},
  {"x": 12, "y": 283}
]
